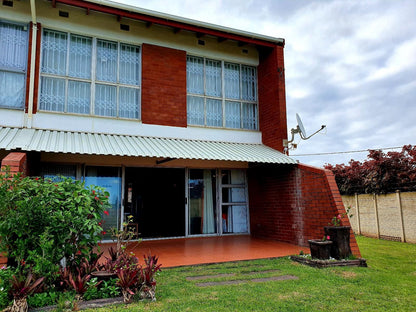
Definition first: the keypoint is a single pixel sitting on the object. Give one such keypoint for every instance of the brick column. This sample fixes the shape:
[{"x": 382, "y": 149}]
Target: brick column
[
  {"x": 16, "y": 161},
  {"x": 163, "y": 86},
  {"x": 272, "y": 97}
]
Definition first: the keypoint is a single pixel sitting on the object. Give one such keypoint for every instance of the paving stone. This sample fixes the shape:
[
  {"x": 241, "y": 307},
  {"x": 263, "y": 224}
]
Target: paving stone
[
  {"x": 255, "y": 280},
  {"x": 201, "y": 277}
]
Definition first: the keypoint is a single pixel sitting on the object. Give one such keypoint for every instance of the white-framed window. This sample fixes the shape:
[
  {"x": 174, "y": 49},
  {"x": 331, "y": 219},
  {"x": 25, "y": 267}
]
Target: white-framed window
[
  {"x": 221, "y": 94},
  {"x": 13, "y": 64},
  {"x": 87, "y": 75}
]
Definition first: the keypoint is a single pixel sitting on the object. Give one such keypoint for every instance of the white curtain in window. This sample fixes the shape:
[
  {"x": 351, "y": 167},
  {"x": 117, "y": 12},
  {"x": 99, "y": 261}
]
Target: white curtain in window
[
  {"x": 232, "y": 81},
  {"x": 214, "y": 113},
  {"x": 106, "y": 61},
  {"x": 213, "y": 78},
  {"x": 13, "y": 46},
  {"x": 52, "y": 94},
  {"x": 232, "y": 114},
  {"x": 208, "y": 225},
  {"x": 250, "y": 116},
  {"x": 105, "y": 100},
  {"x": 129, "y": 103},
  {"x": 80, "y": 51},
  {"x": 13, "y": 60},
  {"x": 129, "y": 64},
  {"x": 54, "y": 52},
  {"x": 79, "y": 94},
  {"x": 195, "y": 110},
  {"x": 249, "y": 83},
  {"x": 195, "y": 75},
  {"x": 12, "y": 89}
]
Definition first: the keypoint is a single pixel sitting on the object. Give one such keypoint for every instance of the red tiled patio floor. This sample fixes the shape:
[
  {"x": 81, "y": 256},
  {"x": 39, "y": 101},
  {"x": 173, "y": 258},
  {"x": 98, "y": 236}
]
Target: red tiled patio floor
[{"x": 189, "y": 251}]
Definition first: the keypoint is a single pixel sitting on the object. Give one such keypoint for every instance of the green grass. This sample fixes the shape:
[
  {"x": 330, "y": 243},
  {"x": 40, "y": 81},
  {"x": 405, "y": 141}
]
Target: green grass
[{"x": 388, "y": 284}]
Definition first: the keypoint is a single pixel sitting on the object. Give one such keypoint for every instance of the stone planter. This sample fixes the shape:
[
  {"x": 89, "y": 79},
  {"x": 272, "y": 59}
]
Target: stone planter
[
  {"x": 340, "y": 236},
  {"x": 320, "y": 249}
]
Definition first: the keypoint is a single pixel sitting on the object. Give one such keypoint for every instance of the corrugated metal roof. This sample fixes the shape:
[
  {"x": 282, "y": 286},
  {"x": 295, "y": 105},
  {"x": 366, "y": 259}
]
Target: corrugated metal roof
[{"x": 125, "y": 145}]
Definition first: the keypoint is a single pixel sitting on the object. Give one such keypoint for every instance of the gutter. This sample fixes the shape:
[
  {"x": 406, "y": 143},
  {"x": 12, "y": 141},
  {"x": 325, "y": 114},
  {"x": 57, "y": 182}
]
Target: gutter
[
  {"x": 177, "y": 19},
  {"x": 29, "y": 119}
]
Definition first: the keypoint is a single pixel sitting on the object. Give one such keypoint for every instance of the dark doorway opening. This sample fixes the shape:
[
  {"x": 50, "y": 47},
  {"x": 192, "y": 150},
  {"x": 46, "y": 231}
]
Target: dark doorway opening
[{"x": 155, "y": 197}]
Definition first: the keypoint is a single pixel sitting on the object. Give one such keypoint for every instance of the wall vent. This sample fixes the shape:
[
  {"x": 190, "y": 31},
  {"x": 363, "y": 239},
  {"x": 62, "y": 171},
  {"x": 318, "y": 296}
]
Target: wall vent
[
  {"x": 8, "y": 3},
  {"x": 125, "y": 27},
  {"x": 201, "y": 42},
  {"x": 63, "y": 14}
]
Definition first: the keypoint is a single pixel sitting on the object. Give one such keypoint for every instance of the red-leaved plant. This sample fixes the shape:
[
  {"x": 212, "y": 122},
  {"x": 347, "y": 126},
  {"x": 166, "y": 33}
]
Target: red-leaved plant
[
  {"x": 22, "y": 286},
  {"x": 129, "y": 278},
  {"x": 148, "y": 287}
]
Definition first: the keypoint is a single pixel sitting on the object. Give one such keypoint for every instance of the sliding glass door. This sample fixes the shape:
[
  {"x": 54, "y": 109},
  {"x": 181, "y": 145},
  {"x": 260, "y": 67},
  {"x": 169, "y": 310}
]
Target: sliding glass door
[
  {"x": 234, "y": 208},
  {"x": 217, "y": 206}
]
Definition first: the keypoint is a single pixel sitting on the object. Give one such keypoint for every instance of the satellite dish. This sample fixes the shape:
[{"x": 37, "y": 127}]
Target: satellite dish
[
  {"x": 302, "y": 133},
  {"x": 301, "y": 127}
]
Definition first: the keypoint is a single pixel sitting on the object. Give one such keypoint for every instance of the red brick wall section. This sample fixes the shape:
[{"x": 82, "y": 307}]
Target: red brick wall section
[
  {"x": 29, "y": 58},
  {"x": 163, "y": 86},
  {"x": 272, "y": 97},
  {"x": 341, "y": 210},
  {"x": 293, "y": 203},
  {"x": 274, "y": 212},
  {"x": 37, "y": 65},
  {"x": 17, "y": 162}
]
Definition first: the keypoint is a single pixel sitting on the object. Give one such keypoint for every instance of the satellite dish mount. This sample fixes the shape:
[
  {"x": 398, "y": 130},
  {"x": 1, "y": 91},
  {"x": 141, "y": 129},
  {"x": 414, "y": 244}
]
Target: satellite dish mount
[{"x": 300, "y": 129}]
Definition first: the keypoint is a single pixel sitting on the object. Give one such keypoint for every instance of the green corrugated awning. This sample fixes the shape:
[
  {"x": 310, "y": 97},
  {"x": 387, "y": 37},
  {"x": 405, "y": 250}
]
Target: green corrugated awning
[{"x": 54, "y": 141}]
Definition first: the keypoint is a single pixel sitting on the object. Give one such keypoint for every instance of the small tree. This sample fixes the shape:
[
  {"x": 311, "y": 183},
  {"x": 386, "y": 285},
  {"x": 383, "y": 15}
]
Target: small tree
[
  {"x": 380, "y": 173},
  {"x": 43, "y": 221}
]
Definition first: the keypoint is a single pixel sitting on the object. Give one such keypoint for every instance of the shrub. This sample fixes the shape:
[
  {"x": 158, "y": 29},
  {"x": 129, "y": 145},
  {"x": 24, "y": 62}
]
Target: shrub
[
  {"x": 5, "y": 277},
  {"x": 39, "y": 300},
  {"x": 43, "y": 221}
]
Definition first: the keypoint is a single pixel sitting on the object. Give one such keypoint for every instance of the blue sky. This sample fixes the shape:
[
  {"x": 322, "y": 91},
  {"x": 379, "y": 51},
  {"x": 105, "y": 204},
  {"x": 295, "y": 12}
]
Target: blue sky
[{"x": 350, "y": 65}]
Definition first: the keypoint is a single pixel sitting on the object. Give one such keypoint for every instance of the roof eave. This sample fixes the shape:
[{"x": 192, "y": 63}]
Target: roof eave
[{"x": 176, "y": 22}]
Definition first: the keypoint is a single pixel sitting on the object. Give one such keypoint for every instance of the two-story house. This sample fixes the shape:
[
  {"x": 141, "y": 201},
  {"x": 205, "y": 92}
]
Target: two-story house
[{"x": 182, "y": 121}]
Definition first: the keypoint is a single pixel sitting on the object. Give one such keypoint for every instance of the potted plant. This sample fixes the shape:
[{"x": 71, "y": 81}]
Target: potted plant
[
  {"x": 340, "y": 236},
  {"x": 320, "y": 248}
]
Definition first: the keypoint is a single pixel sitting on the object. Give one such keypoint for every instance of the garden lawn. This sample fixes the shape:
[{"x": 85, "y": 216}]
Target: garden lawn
[{"x": 388, "y": 284}]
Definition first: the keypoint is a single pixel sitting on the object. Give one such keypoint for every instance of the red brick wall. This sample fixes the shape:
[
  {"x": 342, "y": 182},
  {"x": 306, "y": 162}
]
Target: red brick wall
[
  {"x": 17, "y": 162},
  {"x": 272, "y": 97},
  {"x": 163, "y": 86},
  {"x": 293, "y": 203}
]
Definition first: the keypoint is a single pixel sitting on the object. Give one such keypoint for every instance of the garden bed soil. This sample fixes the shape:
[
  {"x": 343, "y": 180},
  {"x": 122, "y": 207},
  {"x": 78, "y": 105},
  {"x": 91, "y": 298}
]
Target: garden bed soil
[
  {"x": 316, "y": 263},
  {"x": 83, "y": 305}
]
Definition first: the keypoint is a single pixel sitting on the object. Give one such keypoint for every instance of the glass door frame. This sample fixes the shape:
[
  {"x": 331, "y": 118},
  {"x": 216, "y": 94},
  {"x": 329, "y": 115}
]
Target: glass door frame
[{"x": 219, "y": 202}]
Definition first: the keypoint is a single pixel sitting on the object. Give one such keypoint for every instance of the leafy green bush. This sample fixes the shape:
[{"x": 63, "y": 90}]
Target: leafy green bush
[
  {"x": 43, "y": 299},
  {"x": 5, "y": 277},
  {"x": 44, "y": 221},
  {"x": 102, "y": 289}
]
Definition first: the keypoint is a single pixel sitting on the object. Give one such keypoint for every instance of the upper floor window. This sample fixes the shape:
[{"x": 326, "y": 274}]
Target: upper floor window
[
  {"x": 221, "y": 94},
  {"x": 13, "y": 64},
  {"x": 86, "y": 75}
]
